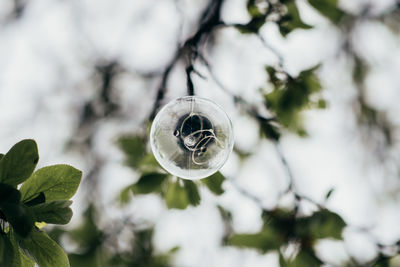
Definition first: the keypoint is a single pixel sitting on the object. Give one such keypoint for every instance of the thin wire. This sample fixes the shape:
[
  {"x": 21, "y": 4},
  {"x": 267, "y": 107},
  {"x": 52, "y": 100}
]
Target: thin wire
[{"x": 196, "y": 144}]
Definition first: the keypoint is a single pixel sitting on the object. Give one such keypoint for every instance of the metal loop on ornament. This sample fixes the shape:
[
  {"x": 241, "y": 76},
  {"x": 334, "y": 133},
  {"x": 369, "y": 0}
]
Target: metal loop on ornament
[{"x": 197, "y": 144}]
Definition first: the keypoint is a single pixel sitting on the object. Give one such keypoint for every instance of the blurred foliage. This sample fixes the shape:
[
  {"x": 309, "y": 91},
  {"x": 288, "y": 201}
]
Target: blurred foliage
[
  {"x": 329, "y": 9},
  {"x": 260, "y": 11},
  {"x": 177, "y": 193},
  {"x": 96, "y": 246},
  {"x": 283, "y": 228},
  {"x": 42, "y": 197},
  {"x": 291, "y": 95},
  {"x": 291, "y": 20},
  {"x": 374, "y": 120}
]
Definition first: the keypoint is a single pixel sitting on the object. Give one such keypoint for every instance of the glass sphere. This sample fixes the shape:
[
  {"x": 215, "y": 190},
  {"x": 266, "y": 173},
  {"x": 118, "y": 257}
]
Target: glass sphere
[{"x": 191, "y": 137}]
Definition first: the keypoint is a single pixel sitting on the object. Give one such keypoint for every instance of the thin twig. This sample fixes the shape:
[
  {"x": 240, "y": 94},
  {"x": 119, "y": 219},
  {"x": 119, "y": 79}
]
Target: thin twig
[{"x": 210, "y": 19}]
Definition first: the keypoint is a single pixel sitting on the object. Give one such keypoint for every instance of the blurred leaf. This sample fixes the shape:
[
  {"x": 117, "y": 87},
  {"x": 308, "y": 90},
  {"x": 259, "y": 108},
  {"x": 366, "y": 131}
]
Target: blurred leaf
[
  {"x": 56, "y": 212},
  {"x": 282, "y": 261},
  {"x": 307, "y": 258},
  {"x": 321, "y": 224},
  {"x": 360, "y": 70},
  {"x": 291, "y": 20},
  {"x": 174, "y": 250},
  {"x": 329, "y": 194},
  {"x": 253, "y": 26},
  {"x": 44, "y": 250},
  {"x": 321, "y": 104},
  {"x": 382, "y": 261},
  {"x": 134, "y": 148},
  {"x": 253, "y": 9},
  {"x": 329, "y": 9},
  {"x": 264, "y": 241},
  {"x": 57, "y": 182},
  {"x": 1, "y": 156},
  {"x": 149, "y": 182},
  {"x": 214, "y": 183},
  {"x": 87, "y": 236},
  {"x": 125, "y": 195},
  {"x": 19, "y": 162},
  {"x": 176, "y": 196},
  {"x": 258, "y": 18},
  {"x": 291, "y": 96},
  {"x": 192, "y": 192},
  {"x": 148, "y": 163}
]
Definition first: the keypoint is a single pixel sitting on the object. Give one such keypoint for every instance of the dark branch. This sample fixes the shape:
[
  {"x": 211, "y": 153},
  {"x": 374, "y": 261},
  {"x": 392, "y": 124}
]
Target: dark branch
[{"x": 210, "y": 19}]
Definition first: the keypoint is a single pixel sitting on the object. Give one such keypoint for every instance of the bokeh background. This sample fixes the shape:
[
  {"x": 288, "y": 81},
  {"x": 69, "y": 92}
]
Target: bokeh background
[{"x": 78, "y": 75}]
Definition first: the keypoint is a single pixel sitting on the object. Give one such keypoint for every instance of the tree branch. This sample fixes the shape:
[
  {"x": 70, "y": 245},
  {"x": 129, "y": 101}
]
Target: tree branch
[{"x": 210, "y": 19}]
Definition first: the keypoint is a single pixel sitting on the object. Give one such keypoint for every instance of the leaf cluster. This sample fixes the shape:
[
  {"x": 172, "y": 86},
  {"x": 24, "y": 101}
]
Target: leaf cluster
[
  {"x": 285, "y": 13},
  {"x": 291, "y": 95},
  {"x": 282, "y": 227},
  {"x": 43, "y": 197}
]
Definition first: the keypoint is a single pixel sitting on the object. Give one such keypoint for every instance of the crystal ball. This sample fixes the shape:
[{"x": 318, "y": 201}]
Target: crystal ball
[{"x": 191, "y": 137}]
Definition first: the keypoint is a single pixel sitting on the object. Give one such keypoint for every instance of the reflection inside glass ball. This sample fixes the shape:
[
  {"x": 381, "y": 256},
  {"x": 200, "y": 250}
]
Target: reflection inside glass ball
[{"x": 191, "y": 137}]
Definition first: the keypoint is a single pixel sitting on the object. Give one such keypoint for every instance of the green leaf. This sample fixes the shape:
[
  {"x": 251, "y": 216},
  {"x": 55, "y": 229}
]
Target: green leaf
[
  {"x": 44, "y": 250},
  {"x": 264, "y": 241},
  {"x": 19, "y": 217},
  {"x": 16, "y": 214},
  {"x": 329, "y": 9},
  {"x": 8, "y": 194},
  {"x": 41, "y": 198},
  {"x": 321, "y": 224},
  {"x": 2, "y": 245},
  {"x": 19, "y": 162},
  {"x": 57, "y": 182},
  {"x": 56, "y": 212},
  {"x": 20, "y": 259},
  {"x": 149, "y": 182},
  {"x": 192, "y": 192},
  {"x": 134, "y": 148},
  {"x": 7, "y": 252},
  {"x": 291, "y": 20},
  {"x": 214, "y": 183},
  {"x": 1, "y": 156},
  {"x": 26, "y": 261},
  {"x": 176, "y": 196}
]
